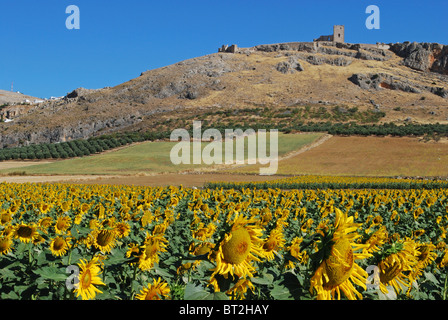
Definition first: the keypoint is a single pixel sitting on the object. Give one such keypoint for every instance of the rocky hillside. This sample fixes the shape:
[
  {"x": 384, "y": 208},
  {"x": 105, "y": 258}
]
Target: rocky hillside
[
  {"x": 423, "y": 56},
  {"x": 407, "y": 83},
  {"x": 8, "y": 97}
]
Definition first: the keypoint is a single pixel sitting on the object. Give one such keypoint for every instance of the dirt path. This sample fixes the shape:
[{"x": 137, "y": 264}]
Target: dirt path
[
  {"x": 21, "y": 164},
  {"x": 308, "y": 147},
  {"x": 51, "y": 179},
  {"x": 228, "y": 168},
  {"x": 172, "y": 179},
  {"x": 186, "y": 180}
]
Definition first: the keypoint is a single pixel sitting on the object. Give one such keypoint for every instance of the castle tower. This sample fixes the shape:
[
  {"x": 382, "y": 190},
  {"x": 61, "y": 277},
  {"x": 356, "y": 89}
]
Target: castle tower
[{"x": 339, "y": 34}]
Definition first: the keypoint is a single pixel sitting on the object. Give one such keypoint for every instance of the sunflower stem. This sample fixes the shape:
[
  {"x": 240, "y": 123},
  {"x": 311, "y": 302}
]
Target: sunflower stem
[
  {"x": 134, "y": 276},
  {"x": 30, "y": 255},
  {"x": 69, "y": 257},
  {"x": 445, "y": 288}
]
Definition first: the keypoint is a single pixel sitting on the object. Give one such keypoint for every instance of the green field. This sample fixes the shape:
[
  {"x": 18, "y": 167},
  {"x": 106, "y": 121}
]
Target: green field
[{"x": 147, "y": 157}]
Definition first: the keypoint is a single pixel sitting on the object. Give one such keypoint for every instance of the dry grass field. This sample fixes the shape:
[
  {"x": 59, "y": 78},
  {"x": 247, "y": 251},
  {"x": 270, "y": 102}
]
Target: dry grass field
[
  {"x": 367, "y": 156},
  {"x": 336, "y": 156}
]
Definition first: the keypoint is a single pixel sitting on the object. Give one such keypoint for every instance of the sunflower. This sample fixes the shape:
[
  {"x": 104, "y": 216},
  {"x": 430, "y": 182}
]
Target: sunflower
[
  {"x": 150, "y": 251},
  {"x": 395, "y": 216},
  {"x": 59, "y": 246},
  {"x": 108, "y": 223},
  {"x": 296, "y": 251},
  {"x": 78, "y": 218},
  {"x": 157, "y": 290},
  {"x": 5, "y": 245},
  {"x": 88, "y": 279},
  {"x": 62, "y": 224},
  {"x": 398, "y": 260},
  {"x": 8, "y": 231},
  {"x": 147, "y": 218},
  {"x": 375, "y": 240},
  {"x": 427, "y": 254},
  {"x": 38, "y": 239},
  {"x": 306, "y": 225},
  {"x": 174, "y": 202},
  {"x": 238, "y": 249},
  {"x": 15, "y": 206},
  {"x": 203, "y": 233},
  {"x": 239, "y": 290},
  {"x": 44, "y": 223},
  {"x": 104, "y": 239},
  {"x": 25, "y": 232},
  {"x": 444, "y": 259},
  {"x": 132, "y": 251},
  {"x": 99, "y": 211},
  {"x": 203, "y": 248},
  {"x": 274, "y": 243},
  {"x": 377, "y": 220},
  {"x": 83, "y": 208},
  {"x": 65, "y": 206},
  {"x": 418, "y": 233},
  {"x": 94, "y": 224},
  {"x": 417, "y": 213},
  {"x": 266, "y": 216},
  {"x": 44, "y": 207},
  {"x": 5, "y": 217},
  {"x": 160, "y": 228},
  {"x": 336, "y": 257},
  {"x": 87, "y": 240},
  {"x": 122, "y": 229}
]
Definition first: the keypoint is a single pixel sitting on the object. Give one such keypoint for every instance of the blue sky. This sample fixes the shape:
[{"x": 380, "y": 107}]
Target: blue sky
[{"x": 118, "y": 40}]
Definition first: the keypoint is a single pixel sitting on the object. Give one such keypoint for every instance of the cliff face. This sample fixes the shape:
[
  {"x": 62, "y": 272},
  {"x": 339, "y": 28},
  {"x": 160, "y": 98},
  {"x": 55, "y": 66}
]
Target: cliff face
[{"x": 423, "y": 56}]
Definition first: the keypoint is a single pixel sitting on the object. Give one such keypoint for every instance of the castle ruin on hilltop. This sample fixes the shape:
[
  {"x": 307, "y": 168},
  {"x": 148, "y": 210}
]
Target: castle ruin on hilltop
[
  {"x": 225, "y": 48},
  {"x": 336, "y": 39},
  {"x": 338, "y": 35}
]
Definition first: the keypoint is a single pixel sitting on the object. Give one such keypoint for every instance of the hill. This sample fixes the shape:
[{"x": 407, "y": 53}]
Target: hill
[
  {"x": 9, "y": 97},
  {"x": 333, "y": 82}
]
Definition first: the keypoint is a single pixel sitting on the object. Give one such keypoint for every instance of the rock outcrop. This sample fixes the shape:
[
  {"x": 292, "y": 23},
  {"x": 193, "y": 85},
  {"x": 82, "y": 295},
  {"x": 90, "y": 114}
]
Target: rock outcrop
[
  {"x": 363, "y": 52},
  {"x": 78, "y": 93},
  {"x": 321, "y": 59},
  {"x": 380, "y": 81},
  {"x": 423, "y": 56},
  {"x": 290, "y": 66}
]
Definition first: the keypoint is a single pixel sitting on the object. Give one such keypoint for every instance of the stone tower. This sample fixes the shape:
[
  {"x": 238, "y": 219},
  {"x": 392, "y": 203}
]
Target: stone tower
[{"x": 339, "y": 34}]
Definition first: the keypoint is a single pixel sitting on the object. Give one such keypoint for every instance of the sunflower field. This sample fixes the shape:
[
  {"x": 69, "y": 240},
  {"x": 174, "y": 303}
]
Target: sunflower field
[
  {"x": 65, "y": 241},
  {"x": 330, "y": 182}
]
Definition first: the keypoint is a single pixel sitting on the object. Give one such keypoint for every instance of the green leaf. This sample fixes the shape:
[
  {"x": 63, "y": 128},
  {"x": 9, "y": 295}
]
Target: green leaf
[
  {"x": 117, "y": 256},
  {"x": 161, "y": 272},
  {"x": 10, "y": 296},
  {"x": 430, "y": 277},
  {"x": 41, "y": 258},
  {"x": 78, "y": 232},
  {"x": 267, "y": 279},
  {"x": 280, "y": 292},
  {"x": 217, "y": 296},
  {"x": 52, "y": 273},
  {"x": 75, "y": 256},
  {"x": 7, "y": 274},
  {"x": 193, "y": 292},
  {"x": 21, "y": 249}
]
